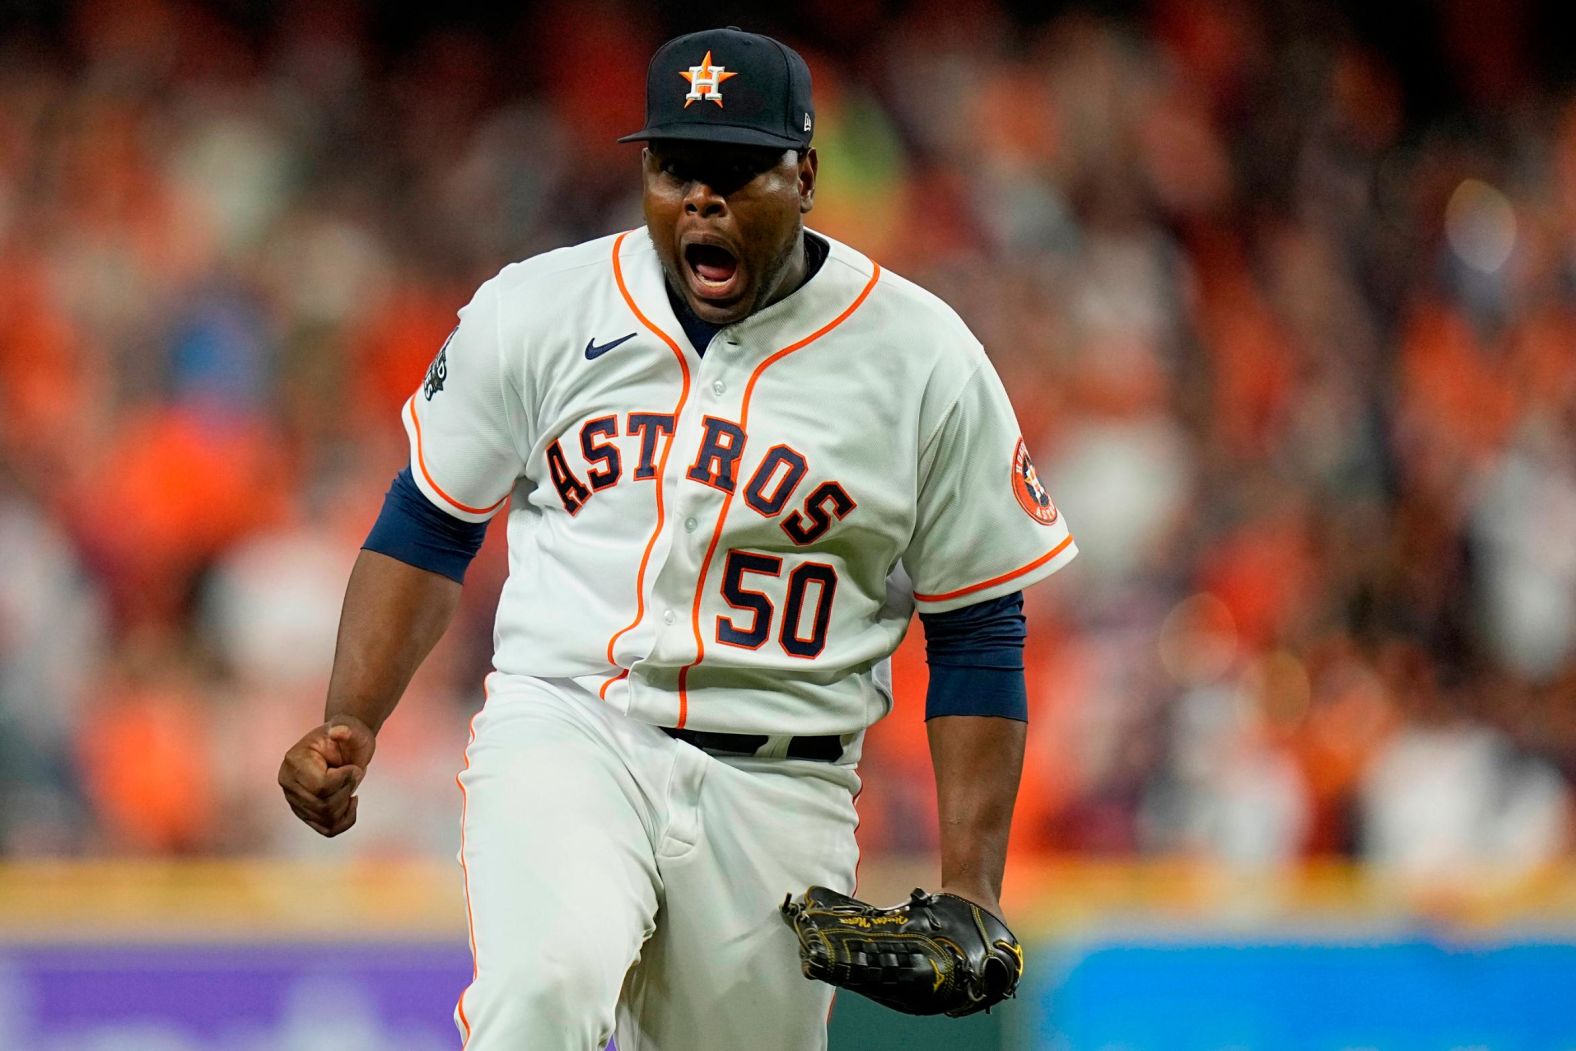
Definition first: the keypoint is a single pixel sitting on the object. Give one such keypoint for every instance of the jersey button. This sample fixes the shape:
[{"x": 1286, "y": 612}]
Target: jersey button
[
  {"x": 719, "y": 388},
  {"x": 667, "y": 616},
  {"x": 690, "y": 524}
]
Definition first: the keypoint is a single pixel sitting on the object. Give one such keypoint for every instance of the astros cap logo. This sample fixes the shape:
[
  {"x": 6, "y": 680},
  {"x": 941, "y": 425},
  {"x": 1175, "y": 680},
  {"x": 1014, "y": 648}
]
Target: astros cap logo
[{"x": 705, "y": 81}]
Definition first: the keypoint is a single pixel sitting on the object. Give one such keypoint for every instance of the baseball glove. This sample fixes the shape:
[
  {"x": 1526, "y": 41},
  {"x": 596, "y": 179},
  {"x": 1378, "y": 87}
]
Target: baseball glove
[{"x": 934, "y": 954}]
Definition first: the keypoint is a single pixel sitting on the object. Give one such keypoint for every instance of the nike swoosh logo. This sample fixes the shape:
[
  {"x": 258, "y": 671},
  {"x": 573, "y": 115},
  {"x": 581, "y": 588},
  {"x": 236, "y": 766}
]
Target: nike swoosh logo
[{"x": 593, "y": 351}]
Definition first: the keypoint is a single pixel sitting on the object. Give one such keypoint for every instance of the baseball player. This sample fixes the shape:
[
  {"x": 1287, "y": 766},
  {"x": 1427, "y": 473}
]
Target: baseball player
[{"x": 737, "y": 455}]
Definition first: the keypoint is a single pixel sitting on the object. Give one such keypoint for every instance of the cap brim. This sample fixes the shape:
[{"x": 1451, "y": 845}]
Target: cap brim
[{"x": 692, "y": 132}]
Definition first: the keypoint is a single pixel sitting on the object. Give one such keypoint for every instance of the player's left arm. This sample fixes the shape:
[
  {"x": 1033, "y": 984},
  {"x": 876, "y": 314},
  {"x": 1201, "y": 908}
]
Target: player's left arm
[
  {"x": 951, "y": 952},
  {"x": 978, "y": 760},
  {"x": 976, "y": 714},
  {"x": 985, "y": 530}
]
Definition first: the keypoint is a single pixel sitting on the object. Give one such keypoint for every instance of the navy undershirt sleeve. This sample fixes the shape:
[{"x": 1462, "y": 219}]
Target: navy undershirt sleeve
[
  {"x": 415, "y": 531},
  {"x": 976, "y": 660}
]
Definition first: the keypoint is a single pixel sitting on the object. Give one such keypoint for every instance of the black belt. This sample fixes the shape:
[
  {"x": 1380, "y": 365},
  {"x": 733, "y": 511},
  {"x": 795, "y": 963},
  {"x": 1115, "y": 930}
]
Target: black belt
[{"x": 827, "y": 748}]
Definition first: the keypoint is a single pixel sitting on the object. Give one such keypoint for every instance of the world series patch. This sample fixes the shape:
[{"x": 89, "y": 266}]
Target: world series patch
[
  {"x": 1032, "y": 496},
  {"x": 438, "y": 371}
]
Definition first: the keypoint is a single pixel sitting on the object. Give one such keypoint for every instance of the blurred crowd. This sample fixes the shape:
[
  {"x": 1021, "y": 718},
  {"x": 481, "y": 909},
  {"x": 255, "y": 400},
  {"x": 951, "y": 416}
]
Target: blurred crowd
[{"x": 1296, "y": 355}]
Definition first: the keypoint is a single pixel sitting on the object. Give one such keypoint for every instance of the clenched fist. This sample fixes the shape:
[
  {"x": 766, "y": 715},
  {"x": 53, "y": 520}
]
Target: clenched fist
[{"x": 320, "y": 773}]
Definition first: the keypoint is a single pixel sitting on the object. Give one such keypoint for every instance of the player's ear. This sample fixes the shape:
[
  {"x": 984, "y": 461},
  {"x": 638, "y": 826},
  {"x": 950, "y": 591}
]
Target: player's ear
[
  {"x": 650, "y": 168},
  {"x": 807, "y": 168}
]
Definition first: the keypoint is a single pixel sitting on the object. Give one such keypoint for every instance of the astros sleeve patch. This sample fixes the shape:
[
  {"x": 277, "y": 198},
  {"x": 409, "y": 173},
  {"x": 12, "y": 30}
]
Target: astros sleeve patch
[
  {"x": 986, "y": 523},
  {"x": 1032, "y": 496}
]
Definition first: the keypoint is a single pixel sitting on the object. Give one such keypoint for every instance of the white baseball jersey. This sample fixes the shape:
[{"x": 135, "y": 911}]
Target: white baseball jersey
[{"x": 733, "y": 541}]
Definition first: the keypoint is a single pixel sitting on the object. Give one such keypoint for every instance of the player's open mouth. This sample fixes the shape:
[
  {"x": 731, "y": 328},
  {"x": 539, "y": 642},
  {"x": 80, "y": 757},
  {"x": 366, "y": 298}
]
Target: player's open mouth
[{"x": 713, "y": 270}]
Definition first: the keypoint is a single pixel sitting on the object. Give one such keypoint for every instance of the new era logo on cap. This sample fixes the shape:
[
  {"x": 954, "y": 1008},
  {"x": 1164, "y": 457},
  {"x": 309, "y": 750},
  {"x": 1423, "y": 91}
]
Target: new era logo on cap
[{"x": 752, "y": 90}]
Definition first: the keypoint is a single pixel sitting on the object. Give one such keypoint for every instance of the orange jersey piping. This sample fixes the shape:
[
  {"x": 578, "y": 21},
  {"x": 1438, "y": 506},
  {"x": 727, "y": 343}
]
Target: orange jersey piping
[
  {"x": 993, "y": 581},
  {"x": 421, "y": 462},
  {"x": 662, "y": 462},
  {"x": 465, "y": 879}
]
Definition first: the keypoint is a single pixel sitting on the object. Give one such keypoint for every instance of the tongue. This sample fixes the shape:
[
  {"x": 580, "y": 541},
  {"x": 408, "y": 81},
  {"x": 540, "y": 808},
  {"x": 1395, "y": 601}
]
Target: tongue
[{"x": 716, "y": 272}]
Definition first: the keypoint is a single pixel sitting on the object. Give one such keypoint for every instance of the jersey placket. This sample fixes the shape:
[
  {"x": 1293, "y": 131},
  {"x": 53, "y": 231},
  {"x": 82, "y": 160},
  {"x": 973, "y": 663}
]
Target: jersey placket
[{"x": 709, "y": 447}]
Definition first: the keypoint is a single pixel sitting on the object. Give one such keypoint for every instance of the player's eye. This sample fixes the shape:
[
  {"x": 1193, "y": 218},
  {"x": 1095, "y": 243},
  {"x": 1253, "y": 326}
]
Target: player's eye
[{"x": 724, "y": 177}]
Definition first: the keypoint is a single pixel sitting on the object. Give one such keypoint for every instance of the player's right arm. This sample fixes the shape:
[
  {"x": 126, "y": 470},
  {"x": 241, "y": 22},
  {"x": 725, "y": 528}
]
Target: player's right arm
[
  {"x": 406, "y": 583},
  {"x": 393, "y": 615}
]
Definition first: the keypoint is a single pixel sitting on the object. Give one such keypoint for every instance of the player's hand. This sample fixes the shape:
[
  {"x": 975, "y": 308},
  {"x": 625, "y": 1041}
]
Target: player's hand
[{"x": 321, "y": 771}]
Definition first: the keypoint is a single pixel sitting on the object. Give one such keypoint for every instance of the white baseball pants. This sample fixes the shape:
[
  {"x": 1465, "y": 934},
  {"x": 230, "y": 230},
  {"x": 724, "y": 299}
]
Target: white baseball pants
[{"x": 616, "y": 877}]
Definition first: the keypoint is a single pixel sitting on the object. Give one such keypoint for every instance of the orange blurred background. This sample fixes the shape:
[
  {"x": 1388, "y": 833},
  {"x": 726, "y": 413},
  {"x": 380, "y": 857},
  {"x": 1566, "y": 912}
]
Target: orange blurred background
[{"x": 1285, "y": 298}]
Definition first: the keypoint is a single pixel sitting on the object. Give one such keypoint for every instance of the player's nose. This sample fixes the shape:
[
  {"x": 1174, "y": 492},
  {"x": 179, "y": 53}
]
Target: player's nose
[{"x": 703, "y": 199}]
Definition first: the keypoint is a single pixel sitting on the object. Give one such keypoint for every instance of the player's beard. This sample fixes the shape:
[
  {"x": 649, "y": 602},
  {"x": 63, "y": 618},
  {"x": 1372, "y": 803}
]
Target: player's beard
[{"x": 780, "y": 266}]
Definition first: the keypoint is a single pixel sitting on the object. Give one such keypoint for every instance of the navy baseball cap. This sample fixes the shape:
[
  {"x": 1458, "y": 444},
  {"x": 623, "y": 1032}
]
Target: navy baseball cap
[{"x": 726, "y": 85}]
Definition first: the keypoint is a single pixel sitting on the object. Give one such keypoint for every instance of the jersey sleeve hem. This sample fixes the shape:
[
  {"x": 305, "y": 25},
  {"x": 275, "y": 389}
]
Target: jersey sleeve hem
[
  {"x": 429, "y": 486},
  {"x": 1004, "y": 584}
]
